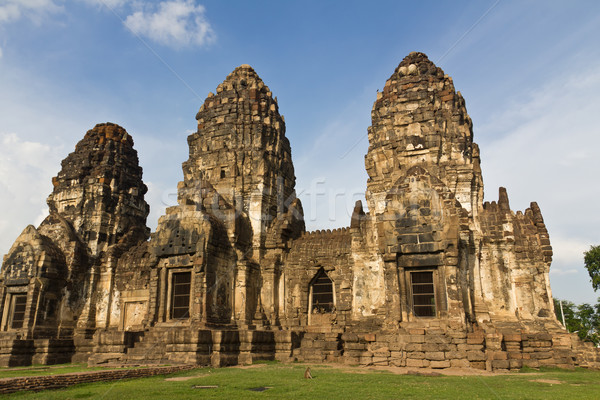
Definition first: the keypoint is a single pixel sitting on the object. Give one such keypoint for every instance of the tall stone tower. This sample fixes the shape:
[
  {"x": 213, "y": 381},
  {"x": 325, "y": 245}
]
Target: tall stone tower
[
  {"x": 419, "y": 119},
  {"x": 234, "y": 216},
  {"x": 99, "y": 189},
  {"x": 51, "y": 276},
  {"x": 241, "y": 151},
  {"x": 425, "y": 197}
]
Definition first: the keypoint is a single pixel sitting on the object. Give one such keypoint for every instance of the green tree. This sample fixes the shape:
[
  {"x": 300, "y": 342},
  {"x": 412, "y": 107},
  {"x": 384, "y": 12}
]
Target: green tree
[
  {"x": 582, "y": 319},
  {"x": 569, "y": 308},
  {"x": 589, "y": 322},
  {"x": 591, "y": 260}
]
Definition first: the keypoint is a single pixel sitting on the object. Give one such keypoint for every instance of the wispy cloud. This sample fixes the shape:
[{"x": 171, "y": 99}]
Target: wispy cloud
[
  {"x": 562, "y": 272},
  {"x": 35, "y": 10},
  {"x": 25, "y": 171},
  {"x": 541, "y": 145},
  {"x": 177, "y": 23},
  {"x": 109, "y": 3},
  {"x": 541, "y": 148}
]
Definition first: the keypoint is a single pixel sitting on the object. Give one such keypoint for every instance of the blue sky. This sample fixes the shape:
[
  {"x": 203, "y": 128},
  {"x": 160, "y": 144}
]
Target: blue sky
[{"x": 529, "y": 71}]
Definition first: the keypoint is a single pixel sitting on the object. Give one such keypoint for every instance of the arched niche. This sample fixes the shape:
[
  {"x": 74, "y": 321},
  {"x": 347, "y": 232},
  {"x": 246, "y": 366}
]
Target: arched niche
[{"x": 321, "y": 299}]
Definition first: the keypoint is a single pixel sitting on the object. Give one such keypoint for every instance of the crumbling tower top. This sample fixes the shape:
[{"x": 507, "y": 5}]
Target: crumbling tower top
[
  {"x": 99, "y": 189},
  {"x": 240, "y": 150},
  {"x": 420, "y": 119},
  {"x": 422, "y": 66}
]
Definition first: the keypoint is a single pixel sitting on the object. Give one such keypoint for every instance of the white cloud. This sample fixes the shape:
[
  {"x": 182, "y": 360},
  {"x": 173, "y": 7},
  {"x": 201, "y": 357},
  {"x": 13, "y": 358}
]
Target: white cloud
[
  {"x": 569, "y": 251},
  {"x": 159, "y": 197},
  {"x": 176, "y": 23},
  {"x": 112, "y": 4},
  {"x": 35, "y": 10},
  {"x": 26, "y": 169}
]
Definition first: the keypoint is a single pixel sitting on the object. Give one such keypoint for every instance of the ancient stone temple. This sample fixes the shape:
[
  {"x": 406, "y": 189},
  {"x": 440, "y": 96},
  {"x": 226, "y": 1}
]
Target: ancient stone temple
[{"x": 426, "y": 275}]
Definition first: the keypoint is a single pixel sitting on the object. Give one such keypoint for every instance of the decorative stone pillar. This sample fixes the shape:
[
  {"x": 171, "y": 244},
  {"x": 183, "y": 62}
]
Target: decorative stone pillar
[
  {"x": 392, "y": 291},
  {"x": 269, "y": 293},
  {"x": 240, "y": 295},
  {"x": 162, "y": 293}
]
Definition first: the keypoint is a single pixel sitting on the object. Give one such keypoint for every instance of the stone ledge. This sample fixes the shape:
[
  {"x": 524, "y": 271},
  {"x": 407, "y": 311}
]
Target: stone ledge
[{"x": 11, "y": 385}]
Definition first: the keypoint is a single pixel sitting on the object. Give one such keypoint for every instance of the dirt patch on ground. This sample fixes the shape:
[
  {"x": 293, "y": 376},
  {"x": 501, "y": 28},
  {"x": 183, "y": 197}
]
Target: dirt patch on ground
[
  {"x": 187, "y": 378},
  {"x": 550, "y": 381},
  {"x": 184, "y": 378},
  {"x": 248, "y": 366},
  {"x": 435, "y": 372},
  {"x": 395, "y": 370},
  {"x": 411, "y": 371}
]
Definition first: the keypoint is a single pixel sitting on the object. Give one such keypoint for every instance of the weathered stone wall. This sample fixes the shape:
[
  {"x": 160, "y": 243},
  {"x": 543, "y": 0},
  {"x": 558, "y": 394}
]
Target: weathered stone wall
[
  {"x": 420, "y": 228},
  {"x": 188, "y": 238},
  {"x": 22, "y": 352},
  {"x": 439, "y": 344},
  {"x": 36, "y": 268},
  {"x": 132, "y": 306},
  {"x": 331, "y": 251},
  {"x": 515, "y": 262}
]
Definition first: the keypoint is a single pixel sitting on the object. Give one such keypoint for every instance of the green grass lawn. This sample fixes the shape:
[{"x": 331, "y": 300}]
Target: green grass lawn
[{"x": 336, "y": 382}]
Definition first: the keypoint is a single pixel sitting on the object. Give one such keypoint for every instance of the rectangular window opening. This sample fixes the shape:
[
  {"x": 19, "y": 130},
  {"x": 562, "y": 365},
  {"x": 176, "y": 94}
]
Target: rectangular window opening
[
  {"x": 18, "y": 311},
  {"x": 180, "y": 295},
  {"x": 423, "y": 294},
  {"x": 322, "y": 294}
]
